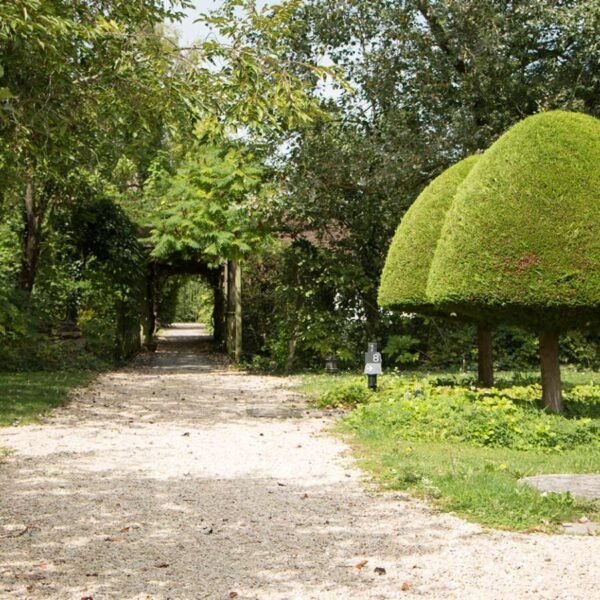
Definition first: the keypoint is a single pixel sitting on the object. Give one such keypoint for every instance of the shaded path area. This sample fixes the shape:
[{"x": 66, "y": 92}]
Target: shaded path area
[{"x": 179, "y": 477}]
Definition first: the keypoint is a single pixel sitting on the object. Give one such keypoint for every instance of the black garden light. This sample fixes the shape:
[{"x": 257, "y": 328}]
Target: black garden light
[{"x": 331, "y": 364}]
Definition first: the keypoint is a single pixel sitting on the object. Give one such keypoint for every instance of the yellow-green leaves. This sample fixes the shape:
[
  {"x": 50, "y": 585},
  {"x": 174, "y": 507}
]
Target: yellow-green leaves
[{"x": 207, "y": 210}]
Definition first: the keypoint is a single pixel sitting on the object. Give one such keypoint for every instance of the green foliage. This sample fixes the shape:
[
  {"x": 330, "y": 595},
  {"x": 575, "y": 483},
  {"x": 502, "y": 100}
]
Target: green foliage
[
  {"x": 253, "y": 79},
  {"x": 294, "y": 313},
  {"x": 465, "y": 449},
  {"x": 433, "y": 81},
  {"x": 205, "y": 208},
  {"x": 521, "y": 239},
  {"x": 186, "y": 299},
  {"x": 404, "y": 277},
  {"x": 90, "y": 96},
  {"x": 402, "y": 349},
  {"x": 95, "y": 271},
  {"x": 348, "y": 394},
  {"x": 11, "y": 321},
  {"x": 195, "y": 299},
  {"x": 499, "y": 418}
]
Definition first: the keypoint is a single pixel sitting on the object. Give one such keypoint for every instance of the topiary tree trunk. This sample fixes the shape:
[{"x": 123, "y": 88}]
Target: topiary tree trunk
[
  {"x": 485, "y": 358},
  {"x": 551, "y": 387}
]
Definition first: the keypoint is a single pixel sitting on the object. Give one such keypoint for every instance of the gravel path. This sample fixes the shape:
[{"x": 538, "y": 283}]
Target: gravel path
[{"x": 180, "y": 478}]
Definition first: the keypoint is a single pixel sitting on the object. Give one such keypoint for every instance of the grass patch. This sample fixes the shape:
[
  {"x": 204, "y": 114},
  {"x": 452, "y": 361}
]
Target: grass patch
[
  {"x": 479, "y": 484},
  {"x": 464, "y": 449},
  {"x": 24, "y": 397}
]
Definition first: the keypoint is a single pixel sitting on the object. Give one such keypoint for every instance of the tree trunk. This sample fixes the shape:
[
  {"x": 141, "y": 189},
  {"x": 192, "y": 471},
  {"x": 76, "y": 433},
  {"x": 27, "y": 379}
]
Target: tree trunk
[
  {"x": 551, "y": 387},
  {"x": 291, "y": 354},
  {"x": 238, "y": 312},
  {"x": 485, "y": 358},
  {"x": 32, "y": 238}
]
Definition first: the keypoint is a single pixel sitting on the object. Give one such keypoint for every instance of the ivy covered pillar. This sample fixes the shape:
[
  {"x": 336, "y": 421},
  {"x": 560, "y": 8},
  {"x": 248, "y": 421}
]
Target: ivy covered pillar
[{"x": 150, "y": 307}]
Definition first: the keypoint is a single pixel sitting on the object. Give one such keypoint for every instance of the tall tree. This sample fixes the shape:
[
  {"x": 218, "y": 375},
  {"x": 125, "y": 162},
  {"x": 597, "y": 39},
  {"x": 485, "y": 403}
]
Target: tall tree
[
  {"x": 434, "y": 81},
  {"x": 92, "y": 85}
]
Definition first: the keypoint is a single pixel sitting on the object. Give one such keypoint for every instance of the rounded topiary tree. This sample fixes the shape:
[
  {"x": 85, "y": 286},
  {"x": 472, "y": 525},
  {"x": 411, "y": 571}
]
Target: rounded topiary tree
[
  {"x": 406, "y": 271},
  {"x": 521, "y": 240}
]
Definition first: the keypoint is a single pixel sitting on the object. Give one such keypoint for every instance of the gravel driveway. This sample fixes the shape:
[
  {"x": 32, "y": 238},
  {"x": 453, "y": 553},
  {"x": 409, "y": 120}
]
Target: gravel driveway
[{"x": 181, "y": 478}]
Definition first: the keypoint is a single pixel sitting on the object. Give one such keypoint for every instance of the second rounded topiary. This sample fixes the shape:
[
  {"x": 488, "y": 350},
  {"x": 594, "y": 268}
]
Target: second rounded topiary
[{"x": 406, "y": 271}]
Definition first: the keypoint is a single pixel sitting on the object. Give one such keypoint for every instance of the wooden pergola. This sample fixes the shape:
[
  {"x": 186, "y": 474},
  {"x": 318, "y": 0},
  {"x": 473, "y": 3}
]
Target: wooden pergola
[{"x": 226, "y": 282}]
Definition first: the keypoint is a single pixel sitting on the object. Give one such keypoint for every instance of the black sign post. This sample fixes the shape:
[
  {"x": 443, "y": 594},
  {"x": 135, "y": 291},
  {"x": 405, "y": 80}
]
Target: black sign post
[{"x": 373, "y": 365}]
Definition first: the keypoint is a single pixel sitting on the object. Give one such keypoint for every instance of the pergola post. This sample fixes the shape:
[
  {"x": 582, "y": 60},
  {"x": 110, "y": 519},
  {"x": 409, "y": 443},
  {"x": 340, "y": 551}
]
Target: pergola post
[
  {"x": 234, "y": 309},
  {"x": 219, "y": 311}
]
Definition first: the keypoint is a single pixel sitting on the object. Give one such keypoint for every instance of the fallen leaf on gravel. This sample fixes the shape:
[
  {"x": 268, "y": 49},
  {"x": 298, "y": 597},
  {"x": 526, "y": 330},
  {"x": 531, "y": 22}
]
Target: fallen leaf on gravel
[
  {"x": 305, "y": 497},
  {"x": 162, "y": 565},
  {"x": 379, "y": 570},
  {"x": 18, "y": 534},
  {"x": 280, "y": 484},
  {"x": 233, "y": 594},
  {"x": 87, "y": 598},
  {"x": 361, "y": 564},
  {"x": 186, "y": 434},
  {"x": 405, "y": 586},
  {"x": 124, "y": 530}
]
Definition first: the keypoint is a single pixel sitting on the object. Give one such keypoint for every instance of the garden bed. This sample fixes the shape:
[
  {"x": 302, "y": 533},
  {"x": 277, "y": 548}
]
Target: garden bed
[{"x": 464, "y": 448}]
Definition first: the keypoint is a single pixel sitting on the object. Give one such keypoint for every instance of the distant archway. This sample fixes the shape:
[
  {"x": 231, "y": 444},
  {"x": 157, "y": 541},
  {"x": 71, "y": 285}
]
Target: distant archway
[{"x": 225, "y": 281}]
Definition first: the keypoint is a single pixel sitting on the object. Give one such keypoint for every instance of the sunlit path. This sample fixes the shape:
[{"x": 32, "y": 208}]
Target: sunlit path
[{"x": 182, "y": 478}]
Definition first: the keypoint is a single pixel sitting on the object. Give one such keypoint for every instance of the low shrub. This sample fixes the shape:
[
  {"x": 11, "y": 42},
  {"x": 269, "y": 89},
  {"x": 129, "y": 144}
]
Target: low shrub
[
  {"x": 348, "y": 394},
  {"x": 465, "y": 449},
  {"x": 499, "y": 418}
]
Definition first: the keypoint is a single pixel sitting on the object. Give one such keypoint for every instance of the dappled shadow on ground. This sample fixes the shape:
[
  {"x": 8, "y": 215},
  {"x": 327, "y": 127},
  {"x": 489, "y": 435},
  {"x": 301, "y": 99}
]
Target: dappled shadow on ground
[{"x": 198, "y": 538}]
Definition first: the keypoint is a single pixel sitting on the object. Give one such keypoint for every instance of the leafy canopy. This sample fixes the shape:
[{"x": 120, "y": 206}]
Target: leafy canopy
[{"x": 206, "y": 209}]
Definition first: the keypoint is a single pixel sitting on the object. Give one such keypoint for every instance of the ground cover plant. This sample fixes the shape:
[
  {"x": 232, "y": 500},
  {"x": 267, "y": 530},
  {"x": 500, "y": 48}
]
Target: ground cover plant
[
  {"x": 24, "y": 397},
  {"x": 465, "y": 448}
]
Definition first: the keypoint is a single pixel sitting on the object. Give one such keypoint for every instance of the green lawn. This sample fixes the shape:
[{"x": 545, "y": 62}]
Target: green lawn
[
  {"x": 24, "y": 397},
  {"x": 463, "y": 449}
]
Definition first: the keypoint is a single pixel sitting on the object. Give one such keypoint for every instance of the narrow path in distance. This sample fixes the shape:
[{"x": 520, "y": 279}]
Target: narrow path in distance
[{"x": 179, "y": 477}]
